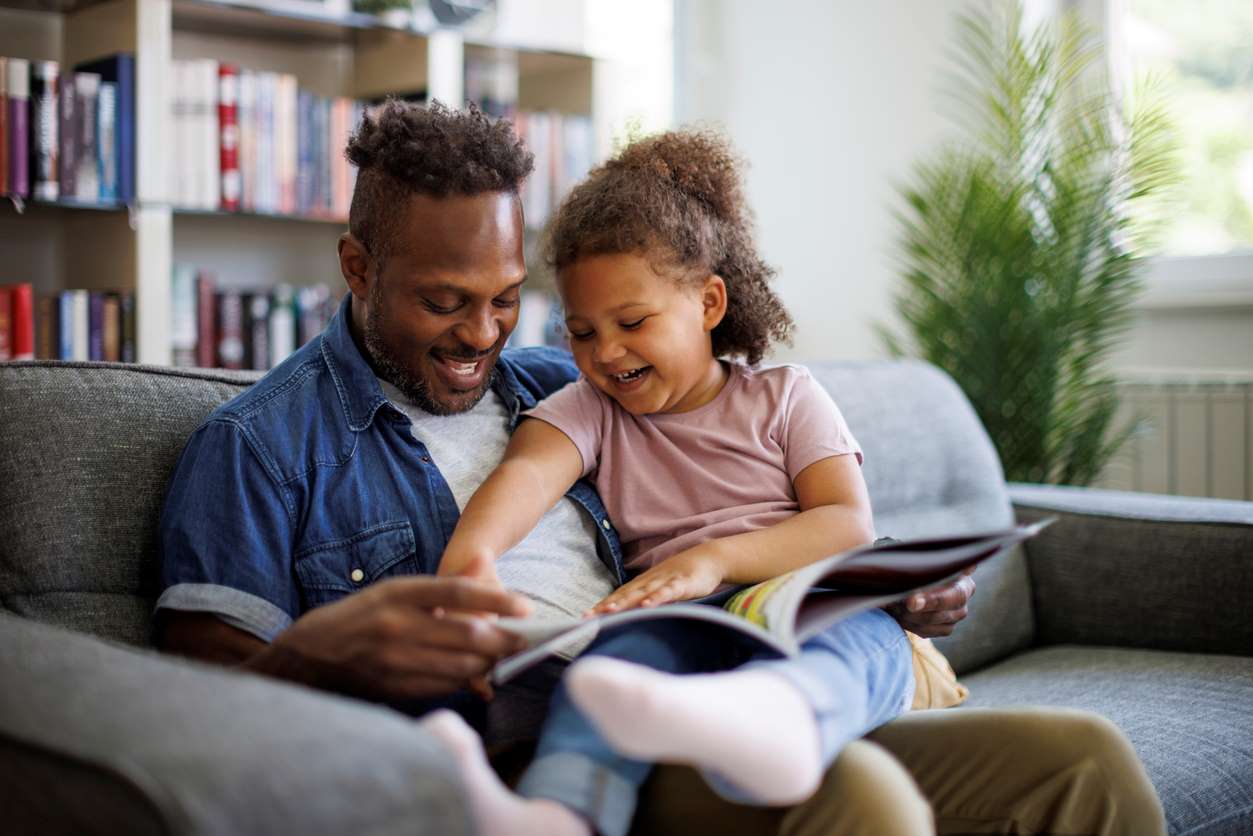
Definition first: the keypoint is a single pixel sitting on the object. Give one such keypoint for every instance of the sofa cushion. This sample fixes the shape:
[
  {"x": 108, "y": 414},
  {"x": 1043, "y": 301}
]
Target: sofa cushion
[
  {"x": 932, "y": 470},
  {"x": 97, "y": 737},
  {"x": 85, "y": 453},
  {"x": 1189, "y": 717}
]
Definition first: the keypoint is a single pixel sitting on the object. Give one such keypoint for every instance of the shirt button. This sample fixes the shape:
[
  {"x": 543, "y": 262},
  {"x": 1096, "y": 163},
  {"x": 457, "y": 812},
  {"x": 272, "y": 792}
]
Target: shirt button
[
  {"x": 357, "y": 576},
  {"x": 605, "y": 524},
  {"x": 426, "y": 459}
]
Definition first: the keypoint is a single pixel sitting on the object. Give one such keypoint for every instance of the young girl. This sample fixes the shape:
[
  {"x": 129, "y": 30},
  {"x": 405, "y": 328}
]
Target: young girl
[{"x": 715, "y": 472}]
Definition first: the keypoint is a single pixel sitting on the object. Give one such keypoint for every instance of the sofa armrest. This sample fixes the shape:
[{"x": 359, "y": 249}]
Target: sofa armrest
[
  {"x": 101, "y": 738},
  {"x": 1140, "y": 570}
]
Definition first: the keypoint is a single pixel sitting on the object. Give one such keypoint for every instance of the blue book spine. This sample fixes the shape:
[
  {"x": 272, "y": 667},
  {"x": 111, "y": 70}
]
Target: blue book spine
[
  {"x": 65, "y": 325},
  {"x": 106, "y": 141},
  {"x": 95, "y": 326},
  {"x": 120, "y": 69}
]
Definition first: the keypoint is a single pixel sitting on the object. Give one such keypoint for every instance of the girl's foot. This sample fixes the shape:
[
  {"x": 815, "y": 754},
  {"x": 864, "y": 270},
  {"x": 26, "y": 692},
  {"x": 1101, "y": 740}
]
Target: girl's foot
[
  {"x": 495, "y": 808},
  {"x": 752, "y": 727}
]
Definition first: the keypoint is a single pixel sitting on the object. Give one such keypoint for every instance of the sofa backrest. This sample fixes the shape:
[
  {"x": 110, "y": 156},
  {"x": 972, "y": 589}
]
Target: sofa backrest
[
  {"x": 86, "y": 451},
  {"x": 932, "y": 470}
]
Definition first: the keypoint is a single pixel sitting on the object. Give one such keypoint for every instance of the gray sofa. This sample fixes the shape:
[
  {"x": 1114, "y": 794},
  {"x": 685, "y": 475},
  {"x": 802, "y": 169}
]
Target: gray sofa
[{"x": 1136, "y": 607}]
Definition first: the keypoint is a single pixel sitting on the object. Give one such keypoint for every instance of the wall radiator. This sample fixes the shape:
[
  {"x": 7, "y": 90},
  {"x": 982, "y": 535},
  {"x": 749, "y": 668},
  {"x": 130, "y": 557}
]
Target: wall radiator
[{"x": 1194, "y": 434}]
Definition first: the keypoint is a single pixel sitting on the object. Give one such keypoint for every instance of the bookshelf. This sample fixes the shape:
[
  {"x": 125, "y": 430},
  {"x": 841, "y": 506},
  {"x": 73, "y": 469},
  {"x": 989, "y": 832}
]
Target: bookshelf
[{"x": 63, "y": 244}]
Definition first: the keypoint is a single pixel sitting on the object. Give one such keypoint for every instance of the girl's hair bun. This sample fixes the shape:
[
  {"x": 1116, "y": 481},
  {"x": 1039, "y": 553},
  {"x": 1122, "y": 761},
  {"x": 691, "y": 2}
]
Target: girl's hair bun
[{"x": 700, "y": 164}]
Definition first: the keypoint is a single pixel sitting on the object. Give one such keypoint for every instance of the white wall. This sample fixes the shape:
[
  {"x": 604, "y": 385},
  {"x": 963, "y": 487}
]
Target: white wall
[{"x": 831, "y": 102}]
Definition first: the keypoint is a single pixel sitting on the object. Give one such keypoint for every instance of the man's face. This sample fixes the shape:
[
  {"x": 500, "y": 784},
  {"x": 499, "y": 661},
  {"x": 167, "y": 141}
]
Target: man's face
[{"x": 439, "y": 312}]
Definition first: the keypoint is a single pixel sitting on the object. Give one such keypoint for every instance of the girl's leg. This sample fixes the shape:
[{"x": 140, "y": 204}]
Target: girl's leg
[
  {"x": 494, "y": 808},
  {"x": 763, "y": 733},
  {"x": 574, "y": 764}
]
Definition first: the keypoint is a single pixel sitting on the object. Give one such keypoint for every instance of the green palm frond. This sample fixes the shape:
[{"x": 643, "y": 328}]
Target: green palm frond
[{"x": 1021, "y": 242}]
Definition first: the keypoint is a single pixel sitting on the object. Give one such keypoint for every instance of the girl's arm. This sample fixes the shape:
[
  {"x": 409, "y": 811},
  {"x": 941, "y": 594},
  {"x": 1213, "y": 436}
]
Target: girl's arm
[
  {"x": 835, "y": 516},
  {"x": 540, "y": 465}
]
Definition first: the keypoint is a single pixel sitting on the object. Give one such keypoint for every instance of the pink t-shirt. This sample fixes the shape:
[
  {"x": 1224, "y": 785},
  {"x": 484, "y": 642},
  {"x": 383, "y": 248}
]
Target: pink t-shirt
[{"x": 672, "y": 481}]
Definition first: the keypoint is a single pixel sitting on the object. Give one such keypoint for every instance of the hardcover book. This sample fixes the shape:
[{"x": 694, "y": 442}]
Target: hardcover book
[
  {"x": 206, "y": 320},
  {"x": 230, "y": 329},
  {"x": 126, "y": 305},
  {"x": 257, "y": 331},
  {"x": 46, "y": 327},
  {"x": 6, "y": 325},
  {"x": 119, "y": 70},
  {"x": 65, "y": 325},
  {"x": 67, "y": 162},
  {"x": 228, "y": 126},
  {"x": 80, "y": 326},
  {"x": 106, "y": 142},
  {"x": 112, "y": 328},
  {"x": 782, "y": 613},
  {"x": 282, "y": 324},
  {"x": 95, "y": 326},
  {"x": 87, "y": 173},
  {"x": 17, "y": 89},
  {"x": 183, "y": 321},
  {"x": 4, "y": 125},
  {"x": 22, "y": 321},
  {"x": 45, "y": 129}
]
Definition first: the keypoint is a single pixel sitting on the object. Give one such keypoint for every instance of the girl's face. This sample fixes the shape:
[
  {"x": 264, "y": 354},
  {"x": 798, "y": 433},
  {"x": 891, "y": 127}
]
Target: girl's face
[{"x": 641, "y": 338}]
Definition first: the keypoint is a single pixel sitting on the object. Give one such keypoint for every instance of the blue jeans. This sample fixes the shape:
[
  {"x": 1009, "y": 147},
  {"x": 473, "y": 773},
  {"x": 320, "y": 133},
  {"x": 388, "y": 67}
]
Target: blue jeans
[{"x": 856, "y": 676}]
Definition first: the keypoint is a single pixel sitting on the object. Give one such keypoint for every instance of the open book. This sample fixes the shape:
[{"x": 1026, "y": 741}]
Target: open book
[{"x": 783, "y": 612}]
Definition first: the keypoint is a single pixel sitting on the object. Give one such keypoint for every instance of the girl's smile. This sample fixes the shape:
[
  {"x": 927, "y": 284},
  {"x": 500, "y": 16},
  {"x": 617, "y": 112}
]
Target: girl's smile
[{"x": 643, "y": 337}]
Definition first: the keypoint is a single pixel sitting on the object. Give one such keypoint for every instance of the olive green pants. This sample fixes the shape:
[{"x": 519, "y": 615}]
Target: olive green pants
[{"x": 952, "y": 771}]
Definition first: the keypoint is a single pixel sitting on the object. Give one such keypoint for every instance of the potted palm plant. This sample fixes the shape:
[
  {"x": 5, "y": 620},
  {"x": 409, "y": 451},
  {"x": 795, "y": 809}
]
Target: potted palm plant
[{"x": 1022, "y": 240}]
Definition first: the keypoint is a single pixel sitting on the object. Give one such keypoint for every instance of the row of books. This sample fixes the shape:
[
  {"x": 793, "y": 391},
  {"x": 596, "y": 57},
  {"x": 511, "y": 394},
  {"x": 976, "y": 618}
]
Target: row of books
[
  {"x": 231, "y": 328},
  {"x": 68, "y": 135},
  {"x": 564, "y": 145},
  {"x": 255, "y": 142},
  {"x": 70, "y": 325},
  {"x": 564, "y": 149}
]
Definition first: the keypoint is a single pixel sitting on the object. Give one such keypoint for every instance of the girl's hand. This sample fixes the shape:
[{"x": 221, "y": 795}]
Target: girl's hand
[
  {"x": 690, "y": 574},
  {"x": 479, "y": 568}
]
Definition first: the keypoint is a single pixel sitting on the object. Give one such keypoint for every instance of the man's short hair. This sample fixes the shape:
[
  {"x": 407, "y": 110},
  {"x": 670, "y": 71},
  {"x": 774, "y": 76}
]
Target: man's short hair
[{"x": 402, "y": 149}]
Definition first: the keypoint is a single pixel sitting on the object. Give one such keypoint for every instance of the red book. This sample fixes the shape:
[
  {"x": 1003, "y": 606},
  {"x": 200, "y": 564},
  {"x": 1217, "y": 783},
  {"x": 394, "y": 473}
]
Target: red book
[
  {"x": 228, "y": 121},
  {"x": 22, "y": 319},
  {"x": 206, "y": 321},
  {"x": 5, "y": 325}
]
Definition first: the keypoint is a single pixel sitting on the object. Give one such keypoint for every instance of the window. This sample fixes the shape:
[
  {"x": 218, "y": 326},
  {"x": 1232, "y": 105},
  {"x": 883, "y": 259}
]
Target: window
[{"x": 1203, "y": 49}]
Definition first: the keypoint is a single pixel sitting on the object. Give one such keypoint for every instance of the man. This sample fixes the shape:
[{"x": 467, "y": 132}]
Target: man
[{"x": 306, "y": 518}]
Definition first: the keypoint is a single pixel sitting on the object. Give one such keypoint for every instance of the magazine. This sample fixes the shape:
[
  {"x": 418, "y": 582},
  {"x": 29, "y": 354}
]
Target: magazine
[{"x": 783, "y": 612}]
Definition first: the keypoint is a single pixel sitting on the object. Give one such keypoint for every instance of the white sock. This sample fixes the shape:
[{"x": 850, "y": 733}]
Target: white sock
[
  {"x": 752, "y": 727},
  {"x": 497, "y": 810}
]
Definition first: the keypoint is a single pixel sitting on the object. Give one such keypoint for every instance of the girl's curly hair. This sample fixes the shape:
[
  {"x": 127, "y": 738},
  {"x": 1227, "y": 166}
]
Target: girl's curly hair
[
  {"x": 678, "y": 199},
  {"x": 403, "y": 149}
]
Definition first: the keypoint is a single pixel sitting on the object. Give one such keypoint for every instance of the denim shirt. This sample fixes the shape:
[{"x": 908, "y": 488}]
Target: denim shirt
[{"x": 310, "y": 486}]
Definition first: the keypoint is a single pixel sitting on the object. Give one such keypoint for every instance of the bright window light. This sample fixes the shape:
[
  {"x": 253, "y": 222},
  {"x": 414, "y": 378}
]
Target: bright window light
[{"x": 1203, "y": 50}]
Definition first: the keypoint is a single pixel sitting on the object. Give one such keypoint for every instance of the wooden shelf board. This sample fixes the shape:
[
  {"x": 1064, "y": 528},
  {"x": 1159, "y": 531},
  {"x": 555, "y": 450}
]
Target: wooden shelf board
[{"x": 231, "y": 18}]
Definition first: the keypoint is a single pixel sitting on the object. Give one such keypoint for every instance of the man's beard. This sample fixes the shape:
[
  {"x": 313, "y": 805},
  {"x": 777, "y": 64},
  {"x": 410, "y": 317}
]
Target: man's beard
[{"x": 415, "y": 389}]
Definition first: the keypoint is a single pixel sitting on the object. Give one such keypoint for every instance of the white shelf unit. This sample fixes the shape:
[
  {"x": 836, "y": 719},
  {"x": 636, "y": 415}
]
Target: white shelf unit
[{"x": 133, "y": 248}]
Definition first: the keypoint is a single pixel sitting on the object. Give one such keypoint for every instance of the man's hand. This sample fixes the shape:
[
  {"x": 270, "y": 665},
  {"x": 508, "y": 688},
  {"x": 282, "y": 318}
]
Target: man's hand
[
  {"x": 689, "y": 574},
  {"x": 401, "y": 638},
  {"x": 935, "y": 612}
]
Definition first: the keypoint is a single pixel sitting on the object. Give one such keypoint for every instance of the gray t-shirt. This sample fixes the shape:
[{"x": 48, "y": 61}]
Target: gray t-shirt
[{"x": 556, "y": 565}]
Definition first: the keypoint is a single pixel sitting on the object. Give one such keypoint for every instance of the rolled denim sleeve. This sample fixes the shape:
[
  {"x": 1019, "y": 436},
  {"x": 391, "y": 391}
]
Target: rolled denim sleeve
[{"x": 226, "y": 534}]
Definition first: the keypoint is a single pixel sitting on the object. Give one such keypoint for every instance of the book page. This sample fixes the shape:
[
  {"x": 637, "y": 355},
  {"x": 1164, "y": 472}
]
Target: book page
[{"x": 551, "y": 636}]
